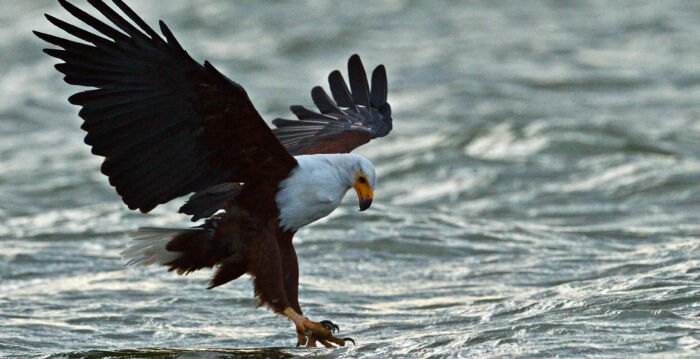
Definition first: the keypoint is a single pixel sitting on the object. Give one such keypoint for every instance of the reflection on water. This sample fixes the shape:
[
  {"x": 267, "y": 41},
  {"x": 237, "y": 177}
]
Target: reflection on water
[{"x": 538, "y": 196}]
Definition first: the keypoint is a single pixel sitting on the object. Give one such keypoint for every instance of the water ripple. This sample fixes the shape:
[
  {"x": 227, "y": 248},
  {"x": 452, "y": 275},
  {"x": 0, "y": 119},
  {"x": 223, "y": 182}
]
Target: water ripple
[{"x": 537, "y": 198}]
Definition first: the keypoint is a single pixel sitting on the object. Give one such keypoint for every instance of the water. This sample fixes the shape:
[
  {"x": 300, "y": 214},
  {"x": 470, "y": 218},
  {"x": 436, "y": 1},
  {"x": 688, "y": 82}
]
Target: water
[{"x": 538, "y": 196}]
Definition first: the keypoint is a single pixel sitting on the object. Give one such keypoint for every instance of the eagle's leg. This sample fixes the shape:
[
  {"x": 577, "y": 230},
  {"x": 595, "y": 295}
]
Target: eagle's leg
[
  {"x": 290, "y": 272},
  {"x": 308, "y": 332},
  {"x": 264, "y": 265}
]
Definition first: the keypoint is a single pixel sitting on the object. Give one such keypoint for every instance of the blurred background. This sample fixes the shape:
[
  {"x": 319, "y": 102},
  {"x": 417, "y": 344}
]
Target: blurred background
[{"x": 538, "y": 195}]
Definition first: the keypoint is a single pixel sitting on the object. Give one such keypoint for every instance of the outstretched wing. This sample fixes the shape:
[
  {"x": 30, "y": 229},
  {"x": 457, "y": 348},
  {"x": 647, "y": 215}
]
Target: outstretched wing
[
  {"x": 353, "y": 119},
  {"x": 166, "y": 125}
]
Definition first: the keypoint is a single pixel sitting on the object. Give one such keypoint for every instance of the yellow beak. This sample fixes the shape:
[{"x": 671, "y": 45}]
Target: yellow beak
[{"x": 364, "y": 194}]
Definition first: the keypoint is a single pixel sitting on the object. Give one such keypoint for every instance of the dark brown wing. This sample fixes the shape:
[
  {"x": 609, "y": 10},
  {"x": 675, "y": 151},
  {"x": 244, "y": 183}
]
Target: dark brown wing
[
  {"x": 353, "y": 119},
  {"x": 206, "y": 202},
  {"x": 166, "y": 124}
]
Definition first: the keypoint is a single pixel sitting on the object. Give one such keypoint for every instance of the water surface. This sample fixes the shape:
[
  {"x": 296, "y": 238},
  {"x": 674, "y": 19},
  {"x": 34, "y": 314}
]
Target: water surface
[{"x": 538, "y": 197}]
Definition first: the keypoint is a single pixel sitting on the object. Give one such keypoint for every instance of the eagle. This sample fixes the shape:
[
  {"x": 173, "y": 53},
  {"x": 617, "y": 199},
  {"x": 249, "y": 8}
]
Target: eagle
[{"x": 169, "y": 126}]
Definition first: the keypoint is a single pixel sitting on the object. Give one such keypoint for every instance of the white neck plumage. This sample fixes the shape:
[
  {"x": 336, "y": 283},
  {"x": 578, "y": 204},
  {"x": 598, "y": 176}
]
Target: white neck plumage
[{"x": 317, "y": 186}]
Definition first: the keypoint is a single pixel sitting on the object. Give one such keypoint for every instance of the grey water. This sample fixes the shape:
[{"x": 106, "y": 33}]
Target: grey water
[{"x": 538, "y": 197}]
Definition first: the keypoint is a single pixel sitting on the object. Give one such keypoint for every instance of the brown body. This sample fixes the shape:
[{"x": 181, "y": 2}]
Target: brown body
[{"x": 245, "y": 239}]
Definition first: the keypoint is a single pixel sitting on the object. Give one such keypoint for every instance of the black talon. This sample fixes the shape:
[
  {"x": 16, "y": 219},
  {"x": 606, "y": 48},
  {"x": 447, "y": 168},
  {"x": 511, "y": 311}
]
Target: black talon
[
  {"x": 350, "y": 340},
  {"x": 330, "y": 326}
]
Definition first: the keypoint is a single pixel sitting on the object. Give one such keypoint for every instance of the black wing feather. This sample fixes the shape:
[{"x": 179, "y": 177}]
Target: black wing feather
[
  {"x": 340, "y": 90},
  {"x": 358, "y": 81},
  {"x": 380, "y": 87},
  {"x": 136, "y": 19},
  {"x": 98, "y": 41},
  {"x": 341, "y": 126},
  {"x": 208, "y": 201},
  {"x": 166, "y": 124},
  {"x": 322, "y": 101},
  {"x": 93, "y": 22},
  {"x": 116, "y": 19}
]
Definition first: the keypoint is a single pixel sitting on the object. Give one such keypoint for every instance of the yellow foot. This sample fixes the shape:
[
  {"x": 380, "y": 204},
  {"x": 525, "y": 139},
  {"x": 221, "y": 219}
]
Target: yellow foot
[{"x": 310, "y": 332}]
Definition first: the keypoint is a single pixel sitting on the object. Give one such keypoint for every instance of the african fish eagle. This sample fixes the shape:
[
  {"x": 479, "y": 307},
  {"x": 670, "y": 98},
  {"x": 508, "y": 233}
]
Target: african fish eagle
[{"x": 169, "y": 126}]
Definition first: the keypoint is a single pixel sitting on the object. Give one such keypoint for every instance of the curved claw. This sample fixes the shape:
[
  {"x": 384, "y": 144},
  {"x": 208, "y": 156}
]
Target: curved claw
[
  {"x": 330, "y": 326},
  {"x": 301, "y": 339},
  {"x": 309, "y": 333}
]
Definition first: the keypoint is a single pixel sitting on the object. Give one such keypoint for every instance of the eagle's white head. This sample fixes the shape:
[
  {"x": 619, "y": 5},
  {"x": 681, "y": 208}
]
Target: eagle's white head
[{"x": 317, "y": 186}]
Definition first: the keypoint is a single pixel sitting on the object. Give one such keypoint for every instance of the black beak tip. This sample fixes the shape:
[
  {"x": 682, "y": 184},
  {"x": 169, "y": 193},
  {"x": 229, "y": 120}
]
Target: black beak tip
[{"x": 365, "y": 203}]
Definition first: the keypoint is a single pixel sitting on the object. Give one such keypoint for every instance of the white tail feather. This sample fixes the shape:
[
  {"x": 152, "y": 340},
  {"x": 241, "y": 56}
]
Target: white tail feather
[{"x": 147, "y": 245}]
